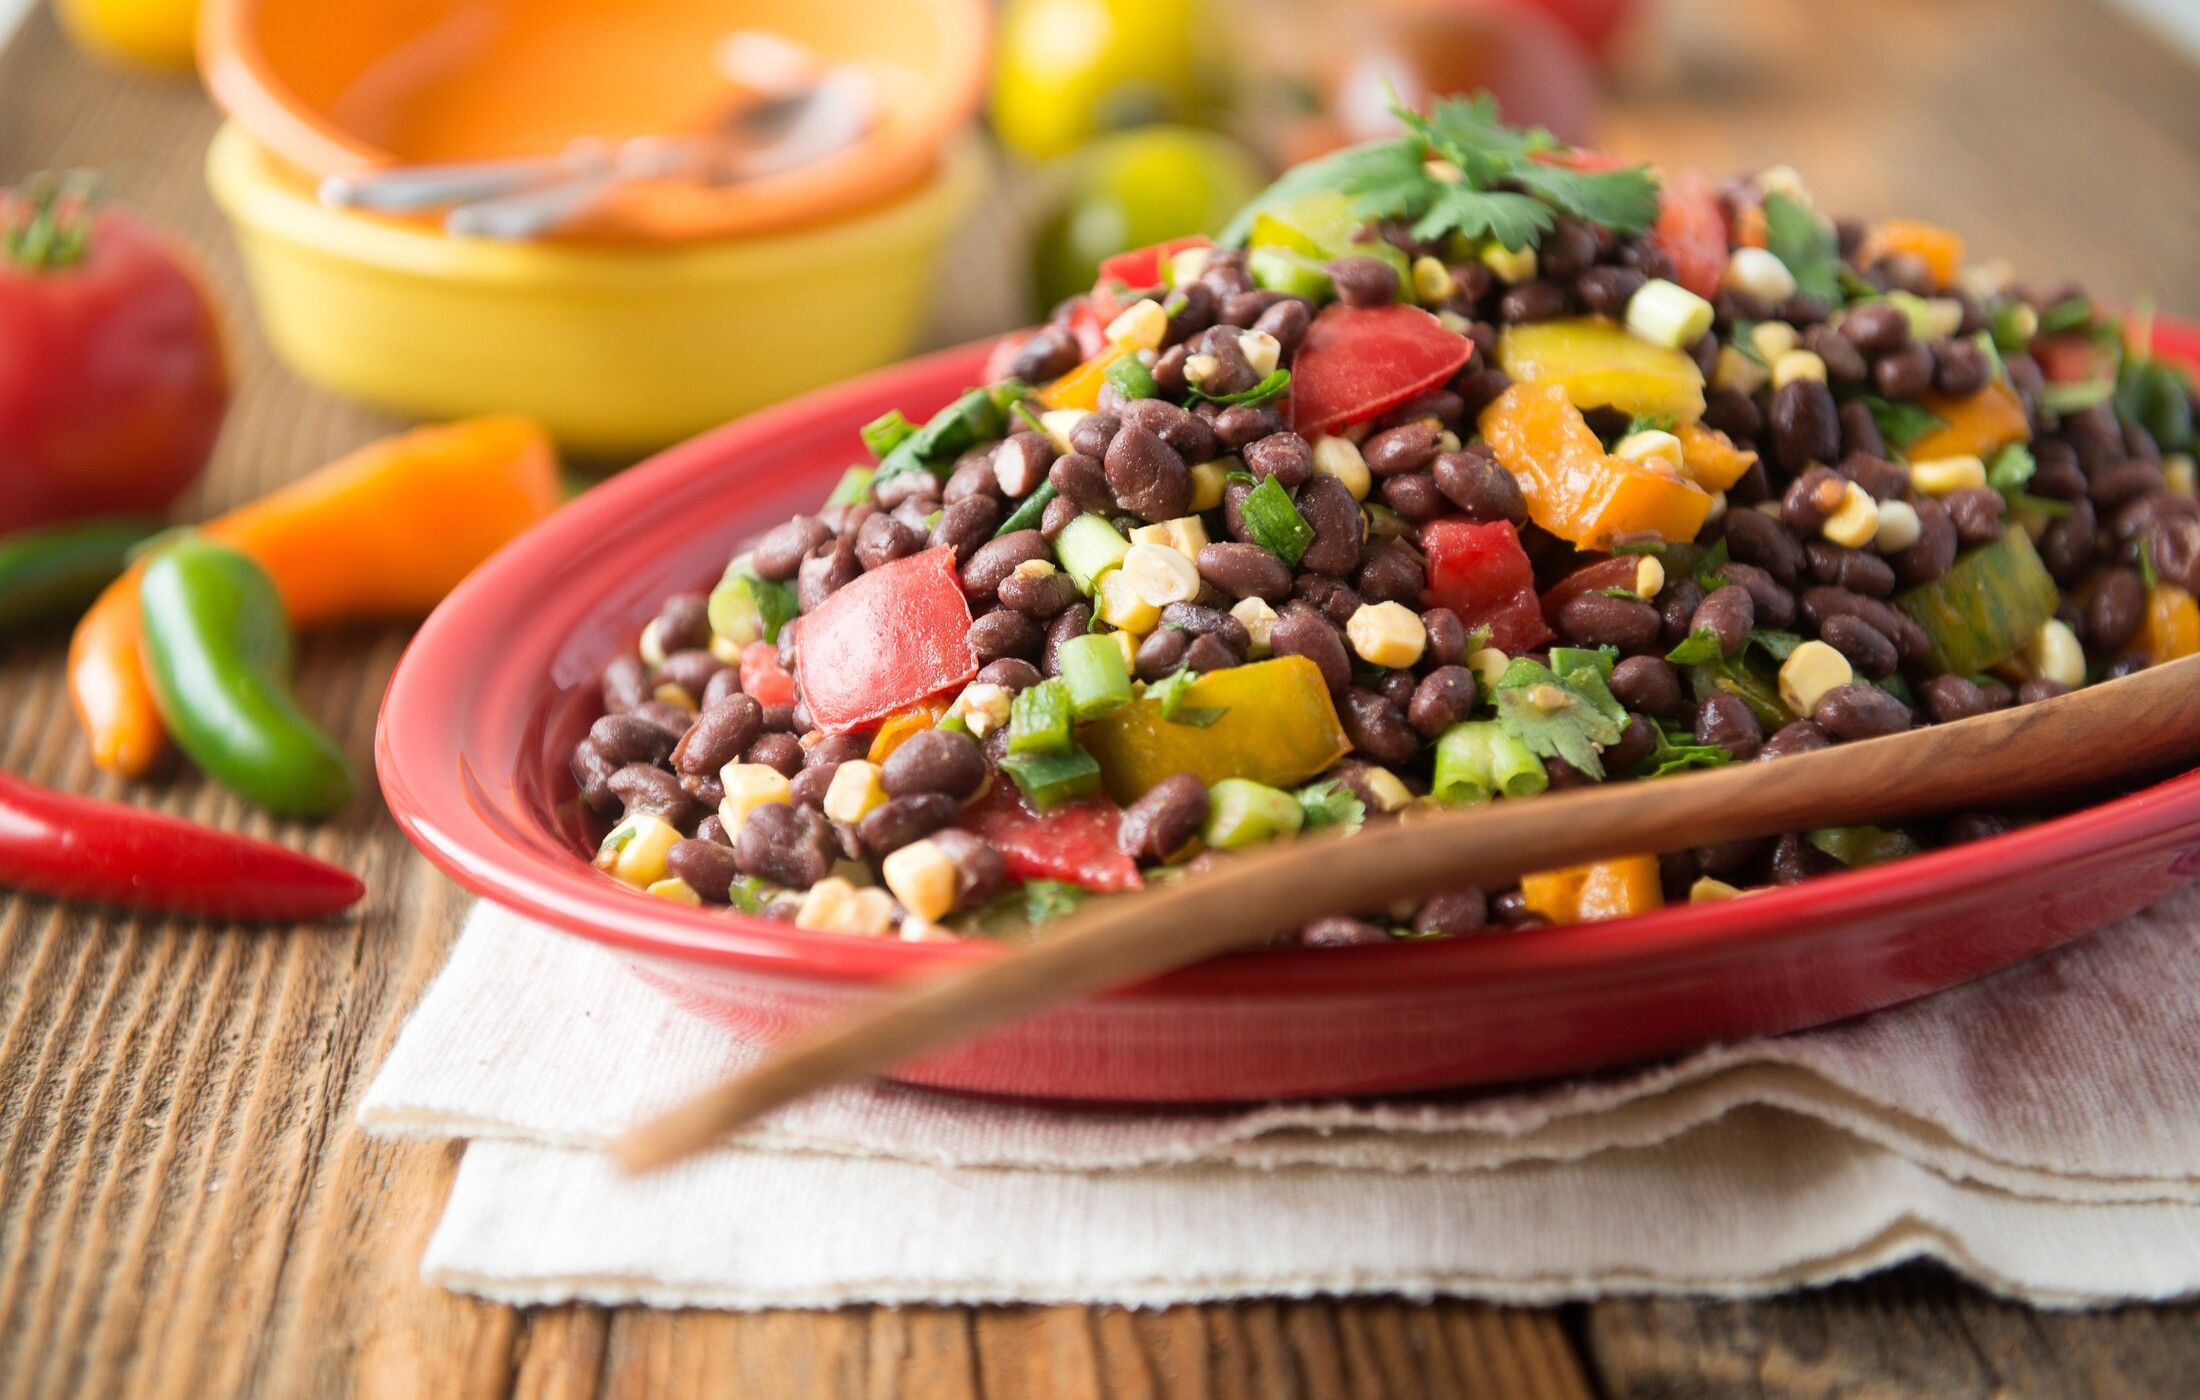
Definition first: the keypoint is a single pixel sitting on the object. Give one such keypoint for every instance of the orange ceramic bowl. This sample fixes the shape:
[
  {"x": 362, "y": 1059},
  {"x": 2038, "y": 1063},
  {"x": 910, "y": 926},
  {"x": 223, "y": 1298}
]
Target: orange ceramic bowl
[{"x": 334, "y": 89}]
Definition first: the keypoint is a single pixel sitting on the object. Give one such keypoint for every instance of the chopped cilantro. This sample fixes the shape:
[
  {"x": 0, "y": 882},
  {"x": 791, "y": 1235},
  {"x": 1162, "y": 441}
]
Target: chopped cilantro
[
  {"x": 1277, "y": 382},
  {"x": 1568, "y": 715},
  {"x": 1901, "y": 422},
  {"x": 1639, "y": 547},
  {"x": 1677, "y": 752},
  {"x": 1806, "y": 243},
  {"x": 1649, "y": 423},
  {"x": 1331, "y": 803},
  {"x": 1707, "y": 568},
  {"x": 1779, "y": 645},
  {"x": 2158, "y": 397},
  {"x": 1698, "y": 648},
  {"x": 2069, "y": 314}
]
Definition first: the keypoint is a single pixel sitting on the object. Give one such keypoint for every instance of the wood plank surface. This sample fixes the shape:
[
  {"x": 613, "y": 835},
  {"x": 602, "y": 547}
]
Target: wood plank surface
[{"x": 187, "y": 1209}]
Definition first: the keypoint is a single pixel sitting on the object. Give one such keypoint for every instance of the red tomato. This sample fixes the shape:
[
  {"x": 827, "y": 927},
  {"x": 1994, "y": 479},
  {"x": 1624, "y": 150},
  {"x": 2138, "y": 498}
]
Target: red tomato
[
  {"x": 112, "y": 385},
  {"x": 763, "y": 679},
  {"x": 1090, "y": 327},
  {"x": 1141, "y": 267},
  {"x": 1692, "y": 231},
  {"x": 1481, "y": 573},
  {"x": 2067, "y": 357},
  {"x": 1359, "y": 361},
  {"x": 1073, "y": 842},
  {"x": 894, "y": 636}
]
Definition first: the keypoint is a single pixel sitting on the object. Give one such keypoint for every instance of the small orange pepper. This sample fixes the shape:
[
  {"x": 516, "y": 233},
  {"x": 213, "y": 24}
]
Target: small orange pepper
[
  {"x": 1080, "y": 388},
  {"x": 382, "y": 533},
  {"x": 897, "y": 729},
  {"x": 1991, "y": 418},
  {"x": 1575, "y": 489},
  {"x": 1603, "y": 889},
  {"x": 1710, "y": 457},
  {"x": 2173, "y": 624},
  {"x": 1940, "y": 249}
]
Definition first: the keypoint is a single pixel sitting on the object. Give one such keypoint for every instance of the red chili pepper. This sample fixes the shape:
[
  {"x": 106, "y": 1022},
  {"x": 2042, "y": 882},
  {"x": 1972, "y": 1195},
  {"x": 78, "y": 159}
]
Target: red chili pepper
[
  {"x": 76, "y": 848},
  {"x": 1481, "y": 573}
]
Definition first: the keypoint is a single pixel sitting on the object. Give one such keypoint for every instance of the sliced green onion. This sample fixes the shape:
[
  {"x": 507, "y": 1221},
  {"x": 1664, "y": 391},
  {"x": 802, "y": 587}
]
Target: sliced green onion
[
  {"x": 1087, "y": 548},
  {"x": 1514, "y": 768},
  {"x": 1039, "y": 719},
  {"x": 1479, "y": 760},
  {"x": 887, "y": 431},
  {"x": 1567, "y": 660},
  {"x": 1132, "y": 379},
  {"x": 1029, "y": 511},
  {"x": 2061, "y": 399},
  {"x": 1275, "y": 523},
  {"x": 1293, "y": 274},
  {"x": 1277, "y": 382},
  {"x": 1243, "y": 813},
  {"x": 1049, "y": 779},
  {"x": 1092, "y": 668},
  {"x": 854, "y": 485},
  {"x": 744, "y": 608},
  {"x": 1171, "y": 692}
]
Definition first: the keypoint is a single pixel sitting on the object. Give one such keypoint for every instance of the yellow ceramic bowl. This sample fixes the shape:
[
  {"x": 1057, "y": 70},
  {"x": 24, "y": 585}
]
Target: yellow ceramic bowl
[{"x": 616, "y": 351}]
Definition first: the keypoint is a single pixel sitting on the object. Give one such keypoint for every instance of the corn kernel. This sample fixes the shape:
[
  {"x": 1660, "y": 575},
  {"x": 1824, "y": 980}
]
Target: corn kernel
[
  {"x": 1937, "y": 476},
  {"x": 675, "y": 889},
  {"x": 749, "y": 786},
  {"x": 1187, "y": 535},
  {"x": 1707, "y": 890},
  {"x": 1942, "y": 317},
  {"x": 1160, "y": 574},
  {"x": 1340, "y": 457},
  {"x": 2024, "y": 320},
  {"x": 1758, "y": 272},
  {"x": 1772, "y": 339},
  {"x": 726, "y": 649},
  {"x": 1185, "y": 265},
  {"x": 1128, "y": 646},
  {"x": 1208, "y": 479},
  {"x": 1431, "y": 279},
  {"x": 1139, "y": 326},
  {"x": 2054, "y": 654},
  {"x": 832, "y": 905},
  {"x": 2178, "y": 474},
  {"x": 1784, "y": 179},
  {"x": 1059, "y": 424},
  {"x": 1121, "y": 605},
  {"x": 1036, "y": 569},
  {"x": 1387, "y": 634},
  {"x": 677, "y": 696},
  {"x": 916, "y": 930},
  {"x": 1854, "y": 525},
  {"x": 1452, "y": 321},
  {"x": 1488, "y": 666},
  {"x": 1448, "y": 441},
  {"x": 1810, "y": 671},
  {"x": 1259, "y": 620},
  {"x": 652, "y": 644},
  {"x": 924, "y": 878},
  {"x": 982, "y": 707},
  {"x": 1650, "y": 445},
  {"x": 1200, "y": 368},
  {"x": 1649, "y": 576},
  {"x": 1797, "y": 364},
  {"x": 634, "y": 853},
  {"x": 1899, "y": 527},
  {"x": 1737, "y": 371},
  {"x": 1666, "y": 313},
  {"x": 1261, "y": 351},
  {"x": 1386, "y": 792},
  {"x": 1510, "y": 264},
  {"x": 1718, "y": 507},
  {"x": 854, "y": 791}
]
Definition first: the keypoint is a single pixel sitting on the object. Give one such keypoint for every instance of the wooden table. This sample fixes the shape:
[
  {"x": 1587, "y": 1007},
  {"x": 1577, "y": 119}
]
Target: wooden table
[{"x": 186, "y": 1206}]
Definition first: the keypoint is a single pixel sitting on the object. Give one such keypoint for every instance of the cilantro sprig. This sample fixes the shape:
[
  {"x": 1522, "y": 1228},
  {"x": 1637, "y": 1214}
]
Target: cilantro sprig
[{"x": 1566, "y": 713}]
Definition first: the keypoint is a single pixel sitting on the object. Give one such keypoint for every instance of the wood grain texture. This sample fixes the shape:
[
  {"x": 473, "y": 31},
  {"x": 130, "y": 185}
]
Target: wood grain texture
[{"x": 186, "y": 1208}]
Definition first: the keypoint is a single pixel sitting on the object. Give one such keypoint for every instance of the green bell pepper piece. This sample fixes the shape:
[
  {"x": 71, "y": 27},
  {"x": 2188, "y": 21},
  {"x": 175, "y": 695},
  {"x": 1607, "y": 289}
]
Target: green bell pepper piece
[
  {"x": 217, "y": 650},
  {"x": 52, "y": 573},
  {"x": 1986, "y": 607}
]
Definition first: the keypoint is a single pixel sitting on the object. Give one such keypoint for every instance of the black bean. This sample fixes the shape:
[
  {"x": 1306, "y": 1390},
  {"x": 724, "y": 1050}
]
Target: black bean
[
  {"x": 2174, "y": 547},
  {"x": 1860, "y": 711},
  {"x": 706, "y": 867},
  {"x": 1446, "y": 407},
  {"x": 1480, "y": 487},
  {"x": 1754, "y": 538},
  {"x": 1210, "y": 653},
  {"x": 2116, "y": 609},
  {"x": 1020, "y": 463},
  {"x": 1406, "y": 448},
  {"x": 1190, "y": 436},
  {"x": 1607, "y": 290},
  {"x": 1191, "y": 309},
  {"x": 719, "y": 734},
  {"x": 783, "y": 719},
  {"x": 1876, "y": 327},
  {"x": 1727, "y": 613},
  {"x": 1364, "y": 281},
  {"x": 1287, "y": 321},
  {"x": 996, "y": 559},
  {"x": 966, "y": 525},
  {"x": 778, "y": 750},
  {"x": 1452, "y": 914},
  {"x": 1009, "y": 673},
  {"x": 682, "y": 623},
  {"x": 1159, "y": 823},
  {"x": 690, "y": 670},
  {"x": 2096, "y": 437},
  {"x": 1734, "y": 413},
  {"x": 1082, "y": 479},
  {"x": 1648, "y": 684},
  {"x": 1146, "y": 475},
  {"x": 1860, "y": 432},
  {"x": 2040, "y": 688},
  {"x": 786, "y": 844},
  {"x": 1593, "y": 619},
  {"x": 1539, "y": 300},
  {"x": 1389, "y": 572},
  {"x": 2126, "y": 481},
  {"x": 1240, "y": 425},
  {"x": 1335, "y": 601},
  {"x": 1959, "y": 368},
  {"x": 1415, "y": 497},
  {"x": 1479, "y": 386},
  {"x": 1803, "y": 425},
  {"x": 812, "y": 783},
  {"x": 1049, "y": 354},
  {"x": 898, "y": 821},
  {"x": 1162, "y": 653},
  {"x": 1329, "y": 507},
  {"x": 625, "y": 739},
  {"x": 1341, "y": 931},
  {"x": 881, "y": 539},
  {"x": 1904, "y": 373},
  {"x": 1447, "y": 636},
  {"x": 1973, "y": 826},
  {"x": 592, "y": 772},
  {"x": 1935, "y": 549},
  {"x": 1852, "y": 569},
  {"x": 933, "y": 760},
  {"x": 972, "y": 476},
  {"x": 625, "y": 684},
  {"x": 1730, "y": 857},
  {"x": 783, "y": 547},
  {"x": 1376, "y": 727},
  {"x": 1794, "y": 737},
  {"x": 1245, "y": 571},
  {"x": 1285, "y": 456},
  {"x": 1677, "y": 603},
  {"x": 1813, "y": 499},
  {"x": 1727, "y": 721},
  {"x": 2068, "y": 546},
  {"x": 920, "y": 490},
  {"x": 1301, "y": 631},
  {"x": 1844, "y": 363},
  {"x": 1867, "y": 648},
  {"x": 1003, "y": 633},
  {"x": 1976, "y": 512},
  {"x": 1039, "y": 593},
  {"x": 1950, "y": 698},
  {"x": 1073, "y": 621},
  {"x": 1444, "y": 697},
  {"x": 1795, "y": 860}
]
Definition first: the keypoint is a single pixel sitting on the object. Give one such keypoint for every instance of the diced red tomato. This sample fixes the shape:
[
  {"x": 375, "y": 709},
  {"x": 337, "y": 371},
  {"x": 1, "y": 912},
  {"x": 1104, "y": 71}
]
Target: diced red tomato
[
  {"x": 1089, "y": 326},
  {"x": 2067, "y": 357},
  {"x": 1141, "y": 267},
  {"x": 1480, "y": 572},
  {"x": 1692, "y": 232},
  {"x": 882, "y": 643},
  {"x": 1073, "y": 842},
  {"x": 1360, "y": 361},
  {"x": 763, "y": 679}
]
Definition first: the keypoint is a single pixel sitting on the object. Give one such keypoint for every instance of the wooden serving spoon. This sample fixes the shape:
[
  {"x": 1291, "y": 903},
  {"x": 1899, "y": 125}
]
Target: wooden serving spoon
[{"x": 2142, "y": 721}]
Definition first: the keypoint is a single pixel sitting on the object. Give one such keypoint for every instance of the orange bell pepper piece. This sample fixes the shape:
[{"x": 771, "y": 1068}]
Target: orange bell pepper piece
[
  {"x": 899, "y": 728},
  {"x": 1710, "y": 457},
  {"x": 1940, "y": 249},
  {"x": 1991, "y": 418},
  {"x": 382, "y": 533},
  {"x": 1574, "y": 488},
  {"x": 2173, "y": 624},
  {"x": 1080, "y": 388},
  {"x": 1603, "y": 889}
]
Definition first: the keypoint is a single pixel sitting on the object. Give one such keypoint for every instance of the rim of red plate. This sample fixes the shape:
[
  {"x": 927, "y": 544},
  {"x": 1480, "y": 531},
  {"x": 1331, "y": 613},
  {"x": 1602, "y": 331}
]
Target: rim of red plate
[{"x": 444, "y": 805}]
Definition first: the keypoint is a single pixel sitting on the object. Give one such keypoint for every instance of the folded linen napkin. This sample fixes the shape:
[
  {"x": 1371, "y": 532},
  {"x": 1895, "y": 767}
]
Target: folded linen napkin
[{"x": 2039, "y": 1132}]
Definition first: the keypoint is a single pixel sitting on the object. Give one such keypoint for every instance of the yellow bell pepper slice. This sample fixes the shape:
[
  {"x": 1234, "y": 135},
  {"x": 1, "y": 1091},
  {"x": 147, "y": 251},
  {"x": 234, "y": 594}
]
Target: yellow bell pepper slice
[
  {"x": 1991, "y": 418},
  {"x": 903, "y": 725},
  {"x": 1574, "y": 488},
  {"x": 2173, "y": 624},
  {"x": 1080, "y": 388},
  {"x": 1710, "y": 457},
  {"x": 1940, "y": 249},
  {"x": 1603, "y": 889},
  {"x": 1277, "y": 727},
  {"x": 1602, "y": 366}
]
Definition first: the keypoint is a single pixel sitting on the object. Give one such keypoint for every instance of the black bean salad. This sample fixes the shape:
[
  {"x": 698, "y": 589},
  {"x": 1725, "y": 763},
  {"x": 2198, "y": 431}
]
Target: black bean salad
[{"x": 1460, "y": 468}]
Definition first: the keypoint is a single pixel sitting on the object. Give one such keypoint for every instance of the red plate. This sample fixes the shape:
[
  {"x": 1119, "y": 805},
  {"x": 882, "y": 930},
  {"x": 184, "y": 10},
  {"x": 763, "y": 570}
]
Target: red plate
[{"x": 502, "y": 680}]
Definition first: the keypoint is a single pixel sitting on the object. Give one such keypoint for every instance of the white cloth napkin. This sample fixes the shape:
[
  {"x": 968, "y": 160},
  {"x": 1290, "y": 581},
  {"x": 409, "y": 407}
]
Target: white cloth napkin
[{"x": 2038, "y": 1132}]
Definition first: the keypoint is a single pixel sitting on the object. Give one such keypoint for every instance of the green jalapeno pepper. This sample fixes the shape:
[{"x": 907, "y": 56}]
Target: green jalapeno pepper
[
  {"x": 217, "y": 648},
  {"x": 51, "y": 574}
]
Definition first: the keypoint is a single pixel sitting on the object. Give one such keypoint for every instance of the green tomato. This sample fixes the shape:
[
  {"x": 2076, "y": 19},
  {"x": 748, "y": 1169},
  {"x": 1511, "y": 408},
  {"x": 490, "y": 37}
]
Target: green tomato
[
  {"x": 1070, "y": 69},
  {"x": 1136, "y": 188}
]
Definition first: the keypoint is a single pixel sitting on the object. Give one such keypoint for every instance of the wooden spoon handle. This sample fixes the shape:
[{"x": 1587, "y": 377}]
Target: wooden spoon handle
[{"x": 2095, "y": 734}]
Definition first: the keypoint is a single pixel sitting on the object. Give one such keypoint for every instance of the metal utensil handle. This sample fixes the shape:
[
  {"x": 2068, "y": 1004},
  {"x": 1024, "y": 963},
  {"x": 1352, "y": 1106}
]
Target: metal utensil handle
[
  {"x": 406, "y": 189},
  {"x": 533, "y": 212}
]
